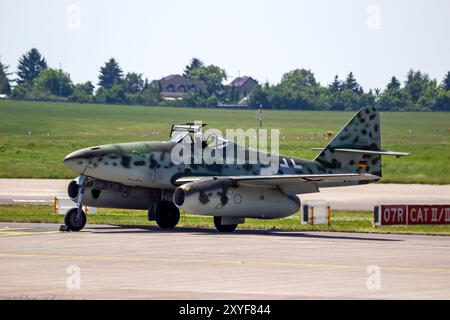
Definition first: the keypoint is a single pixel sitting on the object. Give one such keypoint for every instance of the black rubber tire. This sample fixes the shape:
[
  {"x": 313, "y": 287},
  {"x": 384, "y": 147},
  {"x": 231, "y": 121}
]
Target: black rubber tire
[
  {"x": 69, "y": 220},
  {"x": 167, "y": 215},
  {"x": 223, "y": 228},
  {"x": 72, "y": 189}
]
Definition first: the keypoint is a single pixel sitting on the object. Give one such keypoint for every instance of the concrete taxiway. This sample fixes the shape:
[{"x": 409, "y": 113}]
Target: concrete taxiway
[
  {"x": 110, "y": 262},
  {"x": 364, "y": 197}
]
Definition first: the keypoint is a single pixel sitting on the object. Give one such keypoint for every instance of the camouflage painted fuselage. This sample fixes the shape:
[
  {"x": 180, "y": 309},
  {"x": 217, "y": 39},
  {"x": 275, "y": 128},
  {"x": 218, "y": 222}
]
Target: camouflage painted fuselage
[{"x": 149, "y": 164}]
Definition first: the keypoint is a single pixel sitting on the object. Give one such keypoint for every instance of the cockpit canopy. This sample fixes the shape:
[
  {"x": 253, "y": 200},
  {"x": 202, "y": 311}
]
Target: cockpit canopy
[
  {"x": 178, "y": 132},
  {"x": 188, "y": 132}
]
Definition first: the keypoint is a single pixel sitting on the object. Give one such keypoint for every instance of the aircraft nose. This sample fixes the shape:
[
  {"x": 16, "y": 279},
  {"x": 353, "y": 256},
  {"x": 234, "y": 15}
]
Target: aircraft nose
[
  {"x": 78, "y": 160},
  {"x": 74, "y": 156}
]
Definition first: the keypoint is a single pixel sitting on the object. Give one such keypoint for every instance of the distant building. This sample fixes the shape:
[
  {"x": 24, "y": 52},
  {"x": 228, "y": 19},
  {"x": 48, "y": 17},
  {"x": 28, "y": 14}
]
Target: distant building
[
  {"x": 176, "y": 86},
  {"x": 243, "y": 87}
]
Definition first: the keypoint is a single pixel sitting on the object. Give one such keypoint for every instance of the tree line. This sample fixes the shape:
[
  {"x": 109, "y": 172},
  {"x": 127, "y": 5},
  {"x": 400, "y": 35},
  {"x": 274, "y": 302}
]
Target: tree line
[
  {"x": 36, "y": 81},
  {"x": 298, "y": 89}
]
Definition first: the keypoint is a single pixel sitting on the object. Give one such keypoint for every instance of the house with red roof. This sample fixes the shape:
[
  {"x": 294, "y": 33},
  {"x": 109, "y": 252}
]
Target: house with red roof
[
  {"x": 243, "y": 87},
  {"x": 176, "y": 86}
]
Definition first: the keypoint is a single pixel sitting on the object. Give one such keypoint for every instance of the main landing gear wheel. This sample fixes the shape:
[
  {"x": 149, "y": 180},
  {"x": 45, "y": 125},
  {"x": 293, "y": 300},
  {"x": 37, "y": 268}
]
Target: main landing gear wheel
[
  {"x": 71, "y": 221},
  {"x": 223, "y": 228},
  {"x": 167, "y": 215}
]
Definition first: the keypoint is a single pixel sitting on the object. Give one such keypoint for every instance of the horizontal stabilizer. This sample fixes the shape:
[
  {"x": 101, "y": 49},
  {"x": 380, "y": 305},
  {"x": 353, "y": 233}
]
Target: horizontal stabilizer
[{"x": 379, "y": 152}]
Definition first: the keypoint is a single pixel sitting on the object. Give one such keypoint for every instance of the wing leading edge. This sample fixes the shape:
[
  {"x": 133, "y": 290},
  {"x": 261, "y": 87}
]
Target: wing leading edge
[{"x": 293, "y": 184}]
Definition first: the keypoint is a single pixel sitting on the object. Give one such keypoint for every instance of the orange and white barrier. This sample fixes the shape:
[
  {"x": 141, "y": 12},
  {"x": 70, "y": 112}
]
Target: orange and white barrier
[
  {"x": 316, "y": 213},
  {"x": 62, "y": 204}
]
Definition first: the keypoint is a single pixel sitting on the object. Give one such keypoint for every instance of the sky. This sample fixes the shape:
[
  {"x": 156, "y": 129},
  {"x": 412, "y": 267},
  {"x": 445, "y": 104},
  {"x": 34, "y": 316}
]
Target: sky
[{"x": 260, "y": 38}]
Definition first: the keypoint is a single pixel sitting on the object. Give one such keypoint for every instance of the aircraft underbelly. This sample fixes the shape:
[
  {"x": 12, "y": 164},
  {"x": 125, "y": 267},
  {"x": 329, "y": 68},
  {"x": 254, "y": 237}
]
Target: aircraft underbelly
[{"x": 142, "y": 177}]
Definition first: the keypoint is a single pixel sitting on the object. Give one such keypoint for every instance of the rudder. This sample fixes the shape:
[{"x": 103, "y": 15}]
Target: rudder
[{"x": 357, "y": 147}]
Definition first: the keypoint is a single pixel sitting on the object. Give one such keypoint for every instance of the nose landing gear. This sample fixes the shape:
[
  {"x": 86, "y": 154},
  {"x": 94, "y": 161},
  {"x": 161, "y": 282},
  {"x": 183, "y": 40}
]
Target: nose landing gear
[{"x": 75, "y": 219}]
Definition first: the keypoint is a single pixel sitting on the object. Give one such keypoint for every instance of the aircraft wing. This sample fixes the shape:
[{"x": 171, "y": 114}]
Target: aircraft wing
[{"x": 294, "y": 184}]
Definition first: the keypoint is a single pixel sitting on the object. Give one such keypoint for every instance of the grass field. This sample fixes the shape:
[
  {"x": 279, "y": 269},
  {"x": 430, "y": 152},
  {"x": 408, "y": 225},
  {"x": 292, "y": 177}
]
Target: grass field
[
  {"x": 35, "y": 136},
  {"x": 354, "y": 221}
]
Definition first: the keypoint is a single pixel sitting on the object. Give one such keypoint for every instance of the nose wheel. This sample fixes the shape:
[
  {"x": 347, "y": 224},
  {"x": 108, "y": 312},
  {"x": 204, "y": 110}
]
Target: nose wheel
[{"x": 75, "y": 219}]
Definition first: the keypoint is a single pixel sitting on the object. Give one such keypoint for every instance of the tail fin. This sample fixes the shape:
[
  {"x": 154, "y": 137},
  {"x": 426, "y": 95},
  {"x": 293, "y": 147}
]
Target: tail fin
[{"x": 357, "y": 147}]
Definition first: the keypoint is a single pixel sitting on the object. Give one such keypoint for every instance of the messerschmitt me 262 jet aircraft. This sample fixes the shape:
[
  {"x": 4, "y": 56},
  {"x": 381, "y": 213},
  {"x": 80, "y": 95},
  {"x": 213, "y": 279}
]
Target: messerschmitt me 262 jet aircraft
[{"x": 142, "y": 175}]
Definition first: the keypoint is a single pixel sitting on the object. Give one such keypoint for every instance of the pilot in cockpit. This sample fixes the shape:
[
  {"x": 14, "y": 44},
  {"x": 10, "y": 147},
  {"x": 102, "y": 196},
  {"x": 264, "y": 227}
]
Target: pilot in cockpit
[{"x": 198, "y": 139}]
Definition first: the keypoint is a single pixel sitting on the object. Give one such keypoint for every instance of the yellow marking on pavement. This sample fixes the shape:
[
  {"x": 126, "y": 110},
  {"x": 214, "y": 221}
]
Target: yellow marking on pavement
[
  {"x": 16, "y": 232},
  {"x": 8, "y": 229},
  {"x": 219, "y": 261},
  {"x": 26, "y": 233}
]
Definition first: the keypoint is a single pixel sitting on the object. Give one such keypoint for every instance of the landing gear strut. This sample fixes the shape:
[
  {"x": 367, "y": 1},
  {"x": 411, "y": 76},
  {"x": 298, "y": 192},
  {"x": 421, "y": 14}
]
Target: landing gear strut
[
  {"x": 167, "y": 214},
  {"x": 75, "y": 219}
]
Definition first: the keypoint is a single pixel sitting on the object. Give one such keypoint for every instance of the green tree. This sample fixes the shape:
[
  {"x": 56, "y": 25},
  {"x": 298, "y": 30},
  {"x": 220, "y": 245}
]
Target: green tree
[
  {"x": 446, "y": 81},
  {"x": 394, "y": 84},
  {"x": 213, "y": 77},
  {"x": 196, "y": 100},
  {"x": 110, "y": 74},
  {"x": 351, "y": 84},
  {"x": 259, "y": 97},
  {"x": 5, "y": 87},
  {"x": 298, "y": 79},
  {"x": 87, "y": 87},
  {"x": 83, "y": 92},
  {"x": 150, "y": 95},
  {"x": 30, "y": 66},
  {"x": 393, "y": 98},
  {"x": 115, "y": 94},
  {"x": 347, "y": 100},
  {"x": 231, "y": 94},
  {"x": 336, "y": 85},
  {"x": 415, "y": 84},
  {"x": 19, "y": 92},
  {"x": 322, "y": 98},
  {"x": 54, "y": 81},
  {"x": 427, "y": 99},
  {"x": 194, "y": 64},
  {"x": 133, "y": 83},
  {"x": 298, "y": 89},
  {"x": 442, "y": 100}
]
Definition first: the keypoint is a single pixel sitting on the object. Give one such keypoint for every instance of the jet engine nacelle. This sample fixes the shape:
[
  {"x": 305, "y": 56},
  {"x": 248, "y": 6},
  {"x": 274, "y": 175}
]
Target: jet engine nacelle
[
  {"x": 104, "y": 194},
  {"x": 223, "y": 197}
]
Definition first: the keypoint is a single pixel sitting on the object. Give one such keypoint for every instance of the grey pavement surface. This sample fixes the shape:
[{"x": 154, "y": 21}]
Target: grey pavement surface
[
  {"x": 364, "y": 197},
  {"x": 111, "y": 262}
]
